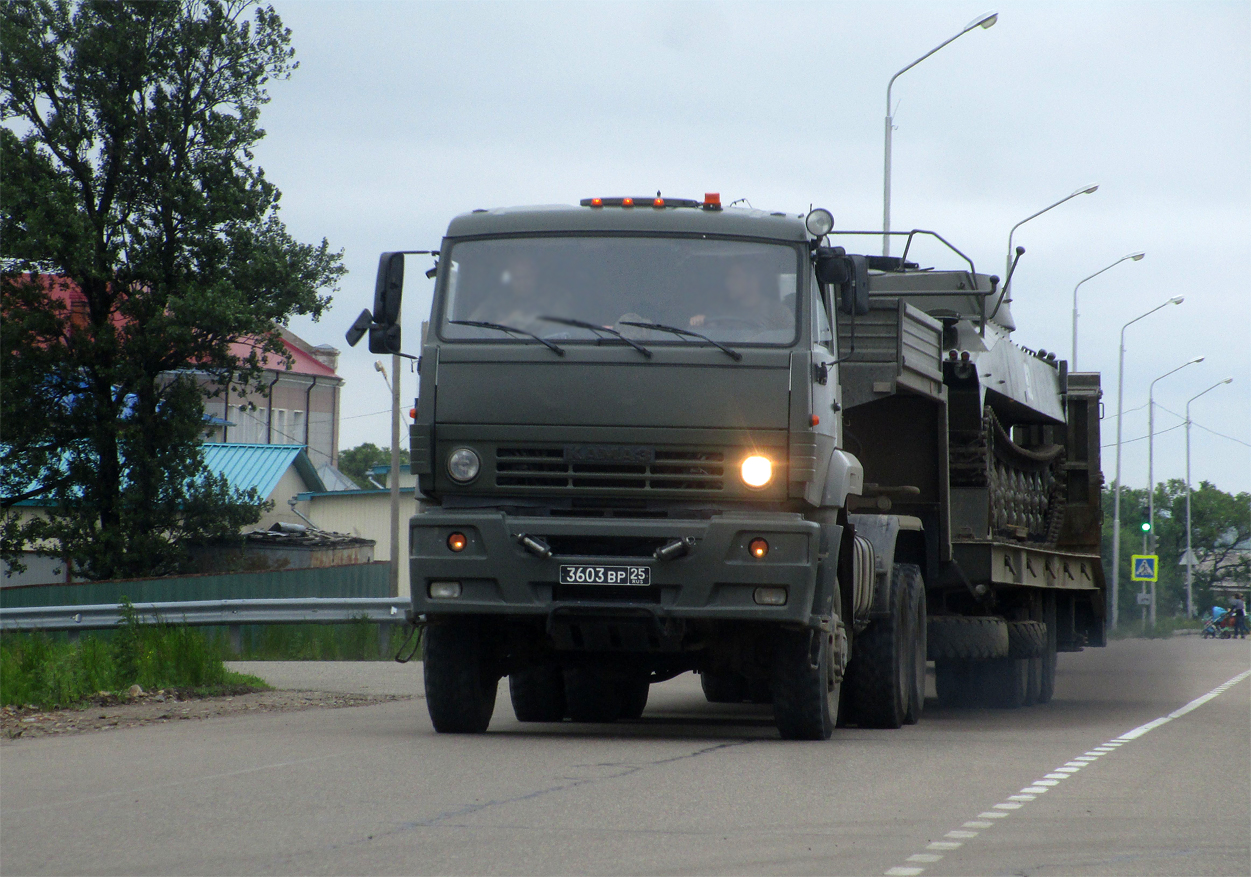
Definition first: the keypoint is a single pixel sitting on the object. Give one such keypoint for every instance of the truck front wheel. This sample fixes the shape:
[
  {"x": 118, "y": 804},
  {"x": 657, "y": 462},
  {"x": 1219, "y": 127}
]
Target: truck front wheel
[
  {"x": 538, "y": 693},
  {"x": 461, "y": 680},
  {"x": 805, "y": 692}
]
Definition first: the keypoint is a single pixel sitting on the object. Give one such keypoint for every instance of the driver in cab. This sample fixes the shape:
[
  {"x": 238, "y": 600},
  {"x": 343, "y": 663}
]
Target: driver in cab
[
  {"x": 748, "y": 300},
  {"x": 518, "y": 301}
]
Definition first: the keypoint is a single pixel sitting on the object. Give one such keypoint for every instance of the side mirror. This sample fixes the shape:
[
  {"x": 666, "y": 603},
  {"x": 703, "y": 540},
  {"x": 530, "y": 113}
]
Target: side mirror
[
  {"x": 388, "y": 289},
  {"x": 853, "y": 295},
  {"x": 832, "y": 266},
  {"x": 384, "y": 339},
  {"x": 359, "y": 328}
]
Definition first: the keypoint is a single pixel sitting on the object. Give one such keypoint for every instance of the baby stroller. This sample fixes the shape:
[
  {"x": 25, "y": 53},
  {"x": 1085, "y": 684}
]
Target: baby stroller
[{"x": 1220, "y": 625}]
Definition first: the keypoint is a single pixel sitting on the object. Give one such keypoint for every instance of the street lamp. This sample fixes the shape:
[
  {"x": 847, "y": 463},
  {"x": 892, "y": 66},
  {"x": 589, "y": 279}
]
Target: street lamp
[
  {"x": 1116, "y": 511},
  {"x": 1085, "y": 190},
  {"x": 1151, "y": 466},
  {"x": 1134, "y": 256},
  {"x": 1190, "y": 602},
  {"x": 982, "y": 21}
]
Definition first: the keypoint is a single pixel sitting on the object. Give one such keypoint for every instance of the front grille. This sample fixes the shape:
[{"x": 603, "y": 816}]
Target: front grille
[{"x": 669, "y": 470}]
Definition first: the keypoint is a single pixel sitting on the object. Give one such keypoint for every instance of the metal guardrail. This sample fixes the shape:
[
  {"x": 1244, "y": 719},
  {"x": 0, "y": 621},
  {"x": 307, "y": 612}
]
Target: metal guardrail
[{"x": 307, "y": 610}]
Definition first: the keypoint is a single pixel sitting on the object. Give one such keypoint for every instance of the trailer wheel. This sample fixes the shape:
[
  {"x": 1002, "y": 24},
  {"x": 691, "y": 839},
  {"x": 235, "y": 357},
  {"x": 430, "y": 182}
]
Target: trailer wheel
[
  {"x": 634, "y": 697},
  {"x": 1006, "y": 682},
  {"x": 805, "y": 697},
  {"x": 591, "y": 696},
  {"x": 1026, "y": 639},
  {"x": 538, "y": 693},
  {"x": 959, "y": 683},
  {"x": 461, "y": 682},
  {"x": 880, "y": 672},
  {"x": 967, "y": 637},
  {"x": 727, "y": 687},
  {"x": 1048, "y": 687},
  {"x": 917, "y": 636}
]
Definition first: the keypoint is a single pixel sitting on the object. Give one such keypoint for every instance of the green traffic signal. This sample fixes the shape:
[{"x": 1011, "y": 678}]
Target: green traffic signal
[{"x": 1146, "y": 527}]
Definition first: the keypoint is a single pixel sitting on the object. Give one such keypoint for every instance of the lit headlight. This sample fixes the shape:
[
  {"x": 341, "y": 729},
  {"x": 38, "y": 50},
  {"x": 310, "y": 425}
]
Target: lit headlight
[
  {"x": 757, "y": 471},
  {"x": 463, "y": 465}
]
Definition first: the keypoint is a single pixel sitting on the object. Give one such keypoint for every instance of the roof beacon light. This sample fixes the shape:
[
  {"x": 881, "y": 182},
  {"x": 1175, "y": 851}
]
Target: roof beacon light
[
  {"x": 627, "y": 202},
  {"x": 712, "y": 200}
]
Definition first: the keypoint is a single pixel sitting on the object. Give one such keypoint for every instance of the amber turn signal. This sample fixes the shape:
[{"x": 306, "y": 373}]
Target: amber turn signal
[
  {"x": 457, "y": 542},
  {"x": 758, "y": 548}
]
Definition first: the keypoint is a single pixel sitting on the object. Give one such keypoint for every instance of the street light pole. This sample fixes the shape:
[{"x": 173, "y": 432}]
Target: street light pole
[
  {"x": 1085, "y": 190},
  {"x": 1150, "y": 534},
  {"x": 1073, "y": 359},
  {"x": 1190, "y": 600},
  {"x": 1116, "y": 511},
  {"x": 982, "y": 21}
]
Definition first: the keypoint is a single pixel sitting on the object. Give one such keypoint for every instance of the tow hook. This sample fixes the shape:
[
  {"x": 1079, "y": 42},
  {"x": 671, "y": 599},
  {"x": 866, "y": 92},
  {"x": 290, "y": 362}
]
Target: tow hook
[
  {"x": 535, "y": 546},
  {"x": 675, "y": 549}
]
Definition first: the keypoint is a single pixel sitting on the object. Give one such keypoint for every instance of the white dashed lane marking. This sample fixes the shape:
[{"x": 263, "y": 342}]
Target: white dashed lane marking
[{"x": 1048, "y": 782}]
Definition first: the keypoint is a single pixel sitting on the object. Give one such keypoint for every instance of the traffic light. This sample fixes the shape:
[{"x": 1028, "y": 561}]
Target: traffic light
[{"x": 1146, "y": 526}]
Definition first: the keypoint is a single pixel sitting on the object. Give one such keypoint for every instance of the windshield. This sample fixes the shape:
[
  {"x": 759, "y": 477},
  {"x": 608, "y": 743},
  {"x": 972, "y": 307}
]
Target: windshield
[{"x": 734, "y": 291}]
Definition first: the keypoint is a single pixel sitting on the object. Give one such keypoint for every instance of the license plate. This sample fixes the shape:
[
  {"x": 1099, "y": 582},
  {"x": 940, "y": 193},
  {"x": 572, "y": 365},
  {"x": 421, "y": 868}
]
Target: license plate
[{"x": 594, "y": 574}]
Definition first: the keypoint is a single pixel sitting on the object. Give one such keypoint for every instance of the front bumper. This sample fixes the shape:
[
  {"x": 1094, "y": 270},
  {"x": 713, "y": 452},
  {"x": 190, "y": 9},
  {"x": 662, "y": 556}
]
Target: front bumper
[{"x": 716, "y": 580}]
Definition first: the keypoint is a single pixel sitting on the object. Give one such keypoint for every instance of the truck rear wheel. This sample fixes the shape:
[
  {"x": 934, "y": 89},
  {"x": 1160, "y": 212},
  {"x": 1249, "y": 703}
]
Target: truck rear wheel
[
  {"x": 959, "y": 683},
  {"x": 805, "y": 697},
  {"x": 461, "y": 682},
  {"x": 1048, "y": 686},
  {"x": 967, "y": 637},
  {"x": 1006, "y": 682},
  {"x": 538, "y": 693},
  {"x": 591, "y": 696},
  {"x": 917, "y": 636},
  {"x": 880, "y": 672}
]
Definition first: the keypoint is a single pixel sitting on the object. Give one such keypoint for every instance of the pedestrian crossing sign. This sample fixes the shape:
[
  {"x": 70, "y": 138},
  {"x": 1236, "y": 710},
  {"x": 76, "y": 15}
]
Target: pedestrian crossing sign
[{"x": 1144, "y": 567}]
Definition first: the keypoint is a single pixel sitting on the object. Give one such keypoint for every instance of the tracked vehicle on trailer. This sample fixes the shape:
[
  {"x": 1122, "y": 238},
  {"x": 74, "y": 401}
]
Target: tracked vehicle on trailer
[{"x": 657, "y": 436}]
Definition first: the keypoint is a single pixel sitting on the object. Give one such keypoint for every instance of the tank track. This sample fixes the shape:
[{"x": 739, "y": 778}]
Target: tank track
[{"x": 1024, "y": 485}]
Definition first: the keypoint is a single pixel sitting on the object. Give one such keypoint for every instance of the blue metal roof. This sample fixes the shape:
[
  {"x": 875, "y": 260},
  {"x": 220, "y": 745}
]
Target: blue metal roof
[{"x": 259, "y": 466}]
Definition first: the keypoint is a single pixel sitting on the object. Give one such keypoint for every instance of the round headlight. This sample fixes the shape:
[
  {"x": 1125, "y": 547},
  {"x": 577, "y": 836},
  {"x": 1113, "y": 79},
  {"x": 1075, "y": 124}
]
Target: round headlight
[
  {"x": 463, "y": 465},
  {"x": 757, "y": 471},
  {"x": 819, "y": 222}
]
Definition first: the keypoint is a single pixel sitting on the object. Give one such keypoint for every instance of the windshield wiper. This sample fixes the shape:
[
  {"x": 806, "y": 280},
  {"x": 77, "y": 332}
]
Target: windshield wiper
[
  {"x": 511, "y": 330},
  {"x": 661, "y": 327},
  {"x": 565, "y": 321}
]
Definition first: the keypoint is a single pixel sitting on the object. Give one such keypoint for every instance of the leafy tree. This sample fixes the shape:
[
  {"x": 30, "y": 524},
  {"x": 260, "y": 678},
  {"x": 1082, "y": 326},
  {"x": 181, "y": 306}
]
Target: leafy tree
[
  {"x": 1219, "y": 523},
  {"x": 356, "y": 462},
  {"x": 129, "y": 181}
]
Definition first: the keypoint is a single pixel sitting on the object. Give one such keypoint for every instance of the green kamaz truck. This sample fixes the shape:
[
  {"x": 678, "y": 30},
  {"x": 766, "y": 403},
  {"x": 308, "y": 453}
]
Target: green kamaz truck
[{"x": 656, "y": 436}]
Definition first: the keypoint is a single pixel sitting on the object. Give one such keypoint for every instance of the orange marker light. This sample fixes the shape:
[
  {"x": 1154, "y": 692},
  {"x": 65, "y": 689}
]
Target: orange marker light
[
  {"x": 758, "y": 548},
  {"x": 816, "y": 419},
  {"x": 627, "y": 202},
  {"x": 457, "y": 542},
  {"x": 412, "y": 413},
  {"x": 711, "y": 198},
  {"x": 658, "y": 202},
  {"x": 597, "y": 202}
]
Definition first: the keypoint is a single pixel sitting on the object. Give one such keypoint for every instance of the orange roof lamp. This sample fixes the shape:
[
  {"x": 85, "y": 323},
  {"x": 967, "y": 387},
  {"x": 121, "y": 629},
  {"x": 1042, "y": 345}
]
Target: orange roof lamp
[{"x": 712, "y": 201}]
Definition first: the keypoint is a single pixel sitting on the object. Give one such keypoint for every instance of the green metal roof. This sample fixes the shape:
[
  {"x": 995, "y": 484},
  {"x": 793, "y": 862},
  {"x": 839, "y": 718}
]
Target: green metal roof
[{"x": 259, "y": 466}]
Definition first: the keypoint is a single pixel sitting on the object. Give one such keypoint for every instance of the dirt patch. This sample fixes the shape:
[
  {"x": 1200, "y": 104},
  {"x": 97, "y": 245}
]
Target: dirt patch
[{"x": 107, "y": 712}]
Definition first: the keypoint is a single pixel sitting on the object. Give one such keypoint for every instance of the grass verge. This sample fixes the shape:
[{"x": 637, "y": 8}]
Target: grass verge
[{"x": 51, "y": 674}]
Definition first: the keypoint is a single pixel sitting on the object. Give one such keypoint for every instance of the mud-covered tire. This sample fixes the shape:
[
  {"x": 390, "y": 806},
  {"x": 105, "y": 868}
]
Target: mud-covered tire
[
  {"x": 917, "y": 637},
  {"x": 728, "y": 687},
  {"x": 966, "y": 638},
  {"x": 591, "y": 697},
  {"x": 959, "y": 684},
  {"x": 879, "y": 672},
  {"x": 461, "y": 682},
  {"x": 758, "y": 691},
  {"x": 805, "y": 698},
  {"x": 634, "y": 697},
  {"x": 538, "y": 693},
  {"x": 1026, "y": 639}
]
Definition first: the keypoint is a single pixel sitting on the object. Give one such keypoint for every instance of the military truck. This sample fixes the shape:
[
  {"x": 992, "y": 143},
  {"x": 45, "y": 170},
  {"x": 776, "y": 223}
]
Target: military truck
[{"x": 656, "y": 436}]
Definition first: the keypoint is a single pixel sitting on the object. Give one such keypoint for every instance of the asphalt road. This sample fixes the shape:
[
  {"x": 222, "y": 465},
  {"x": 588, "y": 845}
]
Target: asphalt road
[{"x": 689, "y": 788}]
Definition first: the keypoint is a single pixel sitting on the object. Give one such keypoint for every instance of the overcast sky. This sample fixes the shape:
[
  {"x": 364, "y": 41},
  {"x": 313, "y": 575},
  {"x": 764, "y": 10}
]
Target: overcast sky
[{"x": 403, "y": 115}]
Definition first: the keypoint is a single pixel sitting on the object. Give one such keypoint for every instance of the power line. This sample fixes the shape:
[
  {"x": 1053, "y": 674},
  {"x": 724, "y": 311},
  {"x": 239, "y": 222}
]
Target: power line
[
  {"x": 1206, "y": 429},
  {"x": 1143, "y": 438}
]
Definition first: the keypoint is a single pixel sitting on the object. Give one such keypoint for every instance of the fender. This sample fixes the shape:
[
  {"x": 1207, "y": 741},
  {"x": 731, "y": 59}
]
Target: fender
[
  {"x": 844, "y": 476},
  {"x": 882, "y": 532}
]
